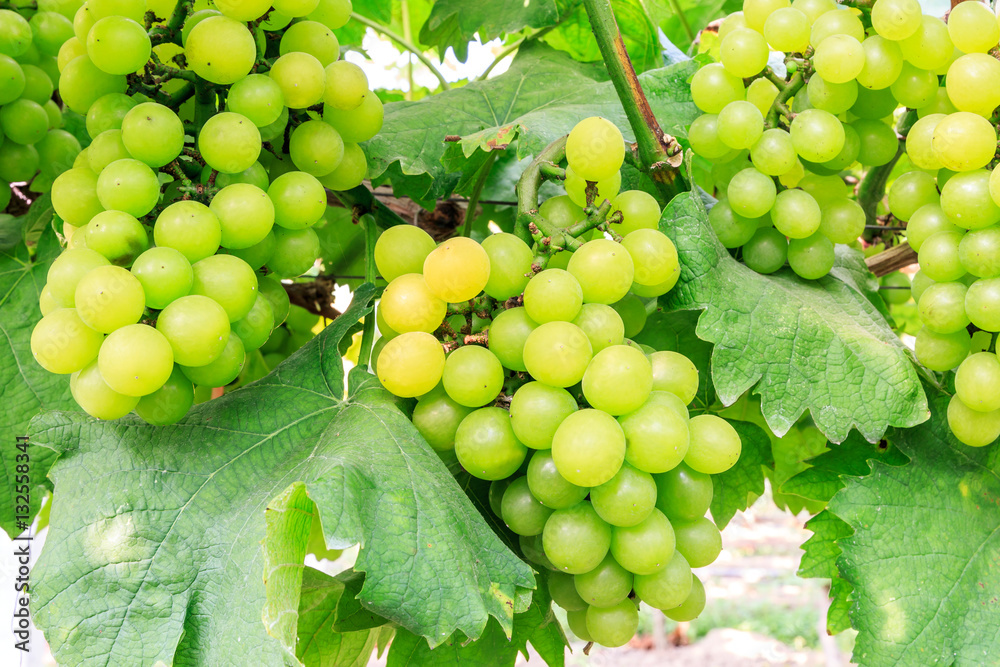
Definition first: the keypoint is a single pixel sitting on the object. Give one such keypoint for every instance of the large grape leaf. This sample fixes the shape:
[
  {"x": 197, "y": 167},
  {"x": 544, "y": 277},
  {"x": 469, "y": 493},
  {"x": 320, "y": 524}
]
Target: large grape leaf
[
  {"x": 923, "y": 556},
  {"x": 155, "y": 544},
  {"x": 540, "y": 98},
  {"x": 818, "y": 345},
  {"x": 25, "y": 387}
]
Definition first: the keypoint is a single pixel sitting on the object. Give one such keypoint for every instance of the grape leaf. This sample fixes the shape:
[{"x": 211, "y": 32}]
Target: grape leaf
[
  {"x": 819, "y": 560},
  {"x": 641, "y": 37},
  {"x": 738, "y": 488},
  {"x": 25, "y": 387},
  {"x": 540, "y": 98},
  {"x": 454, "y": 23},
  {"x": 923, "y": 554},
  {"x": 317, "y": 645},
  {"x": 819, "y": 345},
  {"x": 154, "y": 546}
]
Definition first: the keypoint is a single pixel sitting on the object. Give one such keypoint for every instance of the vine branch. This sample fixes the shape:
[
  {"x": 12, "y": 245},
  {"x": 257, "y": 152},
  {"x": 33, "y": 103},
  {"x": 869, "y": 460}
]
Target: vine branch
[
  {"x": 406, "y": 44},
  {"x": 528, "y": 184}
]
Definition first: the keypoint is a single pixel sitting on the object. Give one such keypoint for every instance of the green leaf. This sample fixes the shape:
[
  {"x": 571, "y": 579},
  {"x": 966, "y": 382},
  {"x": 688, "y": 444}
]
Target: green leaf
[
  {"x": 738, "y": 488},
  {"x": 455, "y": 23},
  {"x": 154, "y": 547},
  {"x": 697, "y": 13},
  {"x": 818, "y": 345},
  {"x": 849, "y": 458},
  {"x": 640, "y": 35},
  {"x": 923, "y": 555},
  {"x": 318, "y": 645},
  {"x": 820, "y": 551},
  {"x": 342, "y": 246},
  {"x": 537, "y": 625},
  {"x": 27, "y": 388},
  {"x": 540, "y": 98}
]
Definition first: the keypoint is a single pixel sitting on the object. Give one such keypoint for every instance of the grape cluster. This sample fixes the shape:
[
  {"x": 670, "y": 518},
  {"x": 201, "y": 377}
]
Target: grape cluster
[
  {"x": 182, "y": 218},
  {"x": 33, "y": 147},
  {"x": 594, "y": 460}
]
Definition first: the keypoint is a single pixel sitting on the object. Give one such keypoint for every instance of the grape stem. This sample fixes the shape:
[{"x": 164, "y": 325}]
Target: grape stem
[
  {"x": 368, "y": 331},
  {"x": 477, "y": 190},
  {"x": 891, "y": 260},
  {"x": 871, "y": 188},
  {"x": 205, "y": 103},
  {"x": 402, "y": 41},
  {"x": 528, "y": 184},
  {"x": 786, "y": 91},
  {"x": 171, "y": 32},
  {"x": 660, "y": 153}
]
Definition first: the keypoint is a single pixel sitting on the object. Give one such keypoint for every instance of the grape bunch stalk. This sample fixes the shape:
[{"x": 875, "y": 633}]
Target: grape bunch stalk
[
  {"x": 215, "y": 134},
  {"x": 527, "y": 374}
]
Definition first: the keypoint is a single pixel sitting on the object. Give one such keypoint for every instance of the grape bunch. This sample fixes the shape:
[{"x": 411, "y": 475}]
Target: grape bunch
[
  {"x": 33, "y": 147},
  {"x": 197, "y": 194},
  {"x": 527, "y": 373}
]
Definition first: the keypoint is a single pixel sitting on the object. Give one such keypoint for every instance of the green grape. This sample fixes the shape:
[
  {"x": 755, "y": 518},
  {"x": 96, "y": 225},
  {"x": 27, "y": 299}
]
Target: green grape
[
  {"x": 57, "y": 151},
  {"x": 899, "y": 288},
  {"x": 971, "y": 427},
  {"x": 604, "y": 271},
  {"x": 829, "y": 24},
  {"x": 411, "y": 364},
  {"x": 877, "y": 142},
  {"x": 118, "y": 45},
  {"x": 751, "y": 194},
  {"x": 919, "y": 283},
  {"x": 402, "y": 249},
  {"x": 731, "y": 23},
  {"x": 301, "y": 78},
  {"x": 973, "y": 28},
  {"x": 873, "y": 104},
  {"x": 576, "y": 189},
  {"x": 15, "y": 36},
  {"x": 966, "y": 200},
  {"x": 896, "y": 19},
  {"x": 576, "y": 539},
  {"x": 666, "y": 588},
  {"x": 108, "y": 298},
  {"x": 787, "y": 30},
  {"x": 12, "y": 79},
  {"x": 132, "y": 9},
  {"x": 83, "y": 21},
  {"x": 675, "y": 373},
  {"x": 603, "y": 326},
  {"x": 656, "y": 436},
  {"x": 259, "y": 253},
  {"x": 556, "y": 295},
  {"x": 316, "y": 148},
  {"x": 979, "y": 252},
  {"x": 194, "y": 19},
  {"x": 223, "y": 369},
  {"x": 257, "y": 97},
  {"x": 118, "y": 236},
  {"x": 61, "y": 342},
  {"x": 761, "y": 93},
  {"x": 940, "y": 104},
  {"x": 243, "y": 10},
  {"x": 774, "y": 153},
  {"x": 977, "y": 382},
  {"x": 683, "y": 494},
  {"x": 276, "y": 294},
  {"x": 409, "y": 305},
  {"x": 942, "y": 352},
  {"x": 165, "y": 275},
  {"x": 485, "y": 444},
  {"x": 97, "y": 399},
  {"x": 221, "y": 50},
  {"x": 743, "y": 52},
  {"x": 106, "y": 148},
  {"x": 551, "y": 488},
  {"x": 733, "y": 230},
  {"x": 153, "y": 134},
  {"x": 169, "y": 403},
  {"x": 74, "y": 196},
  {"x": 964, "y": 141},
  {"x": 618, "y": 380},
  {"x": 704, "y": 137},
  {"x": 437, "y": 418},
  {"x": 346, "y": 86},
  {"x": 740, "y": 125},
  {"x": 357, "y": 125},
  {"x": 38, "y": 86},
  {"x": 612, "y": 626},
  {"x": 562, "y": 589},
  {"x": 189, "y": 227},
  {"x": 910, "y": 192},
  {"x": 299, "y": 200},
  {"x": 645, "y": 547},
  {"x": 82, "y": 83},
  {"x": 473, "y": 376},
  {"x": 972, "y": 83},
  {"x": 196, "y": 327},
  {"x": 915, "y": 88},
  {"x": 817, "y": 135},
  {"x": 692, "y": 606},
  {"x": 271, "y": 132},
  {"x": 295, "y": 8},
  {"x": 49, "y": 31},
  {"x": 626, "y": 499},
  {"x": 942, "y": 307},
  {"x": 606, "y": 585},
  {"x": 639, "y": 210},
  {"x": 982, "y": 304},
  {"x": 633, "y": 313},
  {"x": 135, "y": 360},
  {"x": 510, "y": 261},
  {"x": 883, "y": 63},
  {"x": 245, "y": 214},
  {"x": 68, "y": 269},
  {"x": 835, "y": 98},
  {"x": 46, "y": 302},
  {"x": 313, "y": 38},
  {"x": 332, "y": 13},
  {"x": 939, "y": 257},
  {"x": 521, "y": 511},
  {"x": 840, "y": 58},
  {"x": 847, "y": 155},
  {"x": 796, "y": 214},
  {"x": 17, "y": 162},
  {"x": 595, "y": 149},
  {"x": 713, "y": 87},
  {"x": 108, "y": 113},
  {"x": 715, "y": 445},
  {"x": 24, "y": 121},
  {"x": 929, "y": 47},
  {"x": 508, "y": 334},
  {"x": 351, "y": 171},
  {"x": 536, "y": 410},
  {"x": 698, "y": 540},
  {"x": 230, "y": 142},
  {"x": 557, "y": 353},
  {"x": 811, "y": 257},
  {"x": 588, "y": 447},
  {"x": 756, "y": 12},
  {"x": 457, "y": 270},
  {"x": 129, "y": 186},
  {"x": 843, "y": 221},
  {"x": 255, "y": 328}
]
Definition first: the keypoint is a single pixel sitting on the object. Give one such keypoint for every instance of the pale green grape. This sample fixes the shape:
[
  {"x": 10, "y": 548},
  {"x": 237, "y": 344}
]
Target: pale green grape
[
  {"x": 437, "y": 417},
  {"x": 939, "y": 257},
  {"x": 256, "y": 327},
  {"x": 313, "y": 38},
  {"x": 835, "y": 98},
  {"x": 457, "y": 270},
  {"x": 197, "y": 328},
  {"x": 715, "y": 445},
  {"x": 843, "y": 221},
  {"x": 817, "y": 135},
  {"x": 666, "y": 588},
  {"x": 556, "y": 295},
  {"x": 132, "y": 9},
  {"x": 223, "y": 369},
  {"x": 508, "y": 334},
  {"x": 787, "y": 30},
  {"x": 272, "y": 131},
  {"x": 557, "y": 353},
  {"x": 973, "y": 428},
  {"x": 576, "y": 189},
  {"x": 108, "y": 113},
  {"x": 18, "y": 162},
  {"x": 595, "y": 149},
  {"x": 840, "y": 58},
  {"x": 116, "y": 235},
  {"x": 243, "y": 10},
  {"x": 618, "y": 380},
  {"x": 604, "y": 270},
  {"x": 731, "y": 23},
  {"x": 106, "y": 148},
  {"x": 910, "y": 192},
  {"x": 316, "y": 148},
  {"x": 774, "y": 154},
  {"x": 473, "y": 376},
  {"x": 135, "y": 360},
  {"x": 919, "y": 142},
  {"x": 751, "y": 194},
  {"x": 847, "y": 155},
  {"x": 231, "y": 143},
  {"x": 271, "y": 288},
  {"x": 49, "y": 30},
  {"x": 351, "y": 171},
  {"x": 606, "y": 585},
  {"x": 704, "y": 137},
  {"x": 639, "y": 210},
  {"x": 546, "y": 484},
  {"x": 675, "y": 373},
  {"x": 977, "y": 382},
  {"x": 165, "y": 275},
  {"x": 756, "y": 12},
  {"x": 299, "y": 200},
  {"x": 169, "y": 403},
  {"x": 740, "y": 125},
  {"x": 929, "y": 47},
  {"x": 485, "y": 444},
  {"x": 762, "y": 93},
  {"x": 62, "y": 343},
  {"x": 796, "y": 214},
  {"x": 409, "y": 305},
  {"x": 613, "y": 626},
  {"x": 108, "y": 298},
  {"x": 588, "y": 447},
  {"x": 942, "y": 307},
  {"x": 68, "y": 269},
  {"x": 24, "y": 121},
  {"x": 698, "y": 540},
  {"x": 221, "y": 50},
  {"x": 712, "y": 88},
  {"x": 576, "y": 539},
  {"x": 190, "y": 228},
  {"x": 536, "y": 410},
  {"x": 896, "y": 19},
  {"x": 733, "y": 230},
  {"x": 927, "y": 221},
  {"x": 915, "y": 88},
  {"x": 883, "y": 62},
  {"x": 743, "y": 52},
  {"x": 129, "y": 186},
  {"x": 683, "y": 494},
  {"x": 656, "y": 436},
  {"x": 402, "y": 249},
  {"x": 645, "y": 547},
  {"x": 940, "y": 104},
  {"x": 979, "y": 252},
  {"x": 626, "y": 499},
  {"x": 811, "y": 257},
  {"x": 964, "y": 141},
  {"x": 836, "y": 23},
  {"x": 360, "y": 124},
  {"x": 942, "y": 352},
  {"x": 245, "y": 214},
  {"x": 346, "y": 86},
  {"x": 973, "y": 27},
  {"x": 57, "y": 151},
  {"x": 118, "y": 45},
  {"x": 153, "y": 134},
  {"x": 257, "y": 97},
  {"x": 966, "y": 200},
  {"x": 38, "y": 87},
  {"x": 46, "y": 302},
  {"x": 411, "y": 364},
  {"x": 15, "y": 38},
  {"x": 12, "y": 79},
  {"x": 982, "y": 304},
  {"x": 510, "y": 261},
  {"x": 602, "y": 324},
  {"x": 83, "y": 21},
  {"x": 74, "y": 196},
  {"x": 97, "y": 399},
  {"x": 332, "y": 13},
  {"x": 521, "y": 511}
]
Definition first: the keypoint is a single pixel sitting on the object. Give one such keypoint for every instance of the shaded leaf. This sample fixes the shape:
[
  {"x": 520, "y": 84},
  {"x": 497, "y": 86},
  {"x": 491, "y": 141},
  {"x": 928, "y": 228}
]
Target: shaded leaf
[
  {"x": 318, "y": 645},
  {"x": 738, "y": 488}
]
